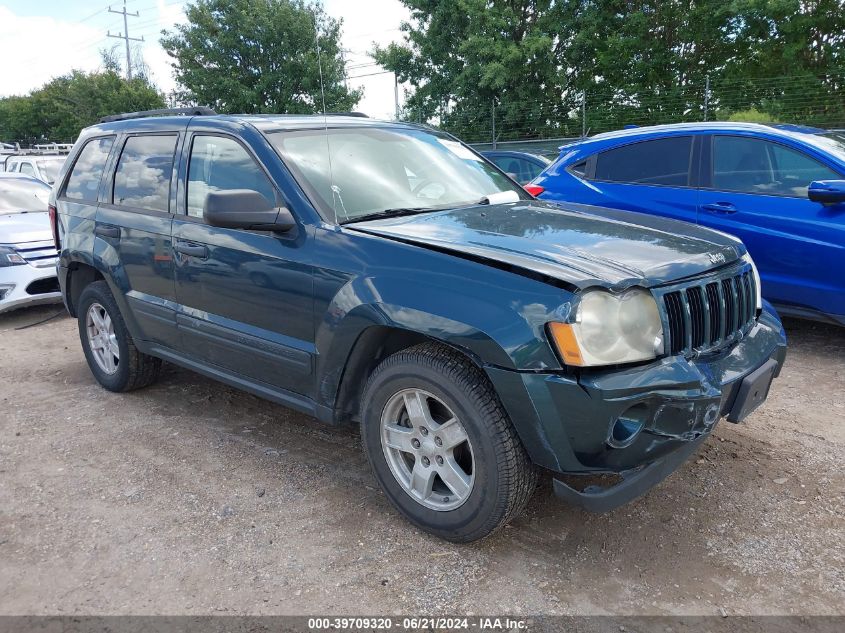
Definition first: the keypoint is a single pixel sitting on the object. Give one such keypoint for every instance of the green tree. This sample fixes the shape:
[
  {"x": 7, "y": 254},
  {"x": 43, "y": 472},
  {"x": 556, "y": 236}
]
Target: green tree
[
  {"x": 66, "y": 104},
  {"x": 636, "y": 61},
  {"x": 464, "y": 57},
  {"x": 257, "y": 56}
]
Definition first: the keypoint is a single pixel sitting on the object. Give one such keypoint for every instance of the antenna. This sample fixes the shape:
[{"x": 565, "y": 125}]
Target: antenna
[{"x": 335, "y": 189}]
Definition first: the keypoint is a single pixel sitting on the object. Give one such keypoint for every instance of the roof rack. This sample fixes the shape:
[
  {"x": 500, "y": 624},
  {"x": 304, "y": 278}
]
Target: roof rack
[
  {"x": 195, "y": 111},
  {"x": 358, "y": 114}
]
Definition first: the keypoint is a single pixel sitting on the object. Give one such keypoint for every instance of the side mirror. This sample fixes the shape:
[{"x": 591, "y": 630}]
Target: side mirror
[
  {"x": 827, "y": 191},
  {"x": 245, "y": 209}
]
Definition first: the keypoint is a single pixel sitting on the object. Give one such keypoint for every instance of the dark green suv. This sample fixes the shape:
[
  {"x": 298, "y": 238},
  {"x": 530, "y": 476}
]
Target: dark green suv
[{"x": 385, "y": 274}]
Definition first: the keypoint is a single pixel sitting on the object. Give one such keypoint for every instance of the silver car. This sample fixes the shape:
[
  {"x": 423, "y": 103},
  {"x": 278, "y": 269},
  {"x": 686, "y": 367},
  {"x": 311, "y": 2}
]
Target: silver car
[{"x": 27, "y": 250}]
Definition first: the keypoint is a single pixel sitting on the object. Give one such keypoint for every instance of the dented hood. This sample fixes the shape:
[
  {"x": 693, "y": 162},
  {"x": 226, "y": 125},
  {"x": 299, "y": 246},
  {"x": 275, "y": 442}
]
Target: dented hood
[{"x": 578, "y": 244}]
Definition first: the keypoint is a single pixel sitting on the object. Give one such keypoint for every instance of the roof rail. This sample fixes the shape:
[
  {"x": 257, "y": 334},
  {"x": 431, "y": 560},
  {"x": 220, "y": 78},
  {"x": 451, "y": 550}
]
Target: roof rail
[
  {"x": 195, "y": 111},
  {"x": 358, "y": 114}
]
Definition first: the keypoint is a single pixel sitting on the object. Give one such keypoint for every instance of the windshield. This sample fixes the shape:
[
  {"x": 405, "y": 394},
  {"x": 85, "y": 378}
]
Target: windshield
[
  {"x": 379, "y": 170},
  {"x": 19, "y": 195},
  {"x": 50, "y": 169},
  {"x": 831, "y": 142}
]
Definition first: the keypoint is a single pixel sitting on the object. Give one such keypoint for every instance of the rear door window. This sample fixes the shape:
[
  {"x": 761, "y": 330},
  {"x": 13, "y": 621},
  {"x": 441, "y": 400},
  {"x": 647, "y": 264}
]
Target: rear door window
[
  {"x": 142, "y": 177},
  {"x": 27, "y": 169},
  {"x": 663, "y": 161},
  {"x": 84, "y": 181}
]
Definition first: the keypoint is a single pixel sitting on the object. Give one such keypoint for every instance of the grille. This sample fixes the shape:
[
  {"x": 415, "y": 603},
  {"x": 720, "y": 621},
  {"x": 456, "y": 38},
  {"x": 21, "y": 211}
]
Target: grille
[
  {"x": 711, "y": 314},
  {"x": 39, "y": 254}
]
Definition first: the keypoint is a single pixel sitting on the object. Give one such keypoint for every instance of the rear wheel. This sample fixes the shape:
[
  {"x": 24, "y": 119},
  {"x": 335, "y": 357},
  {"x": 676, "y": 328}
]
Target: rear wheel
[
  {"x": 442, "y": 446},
  {"x": 111, "y": 354}
]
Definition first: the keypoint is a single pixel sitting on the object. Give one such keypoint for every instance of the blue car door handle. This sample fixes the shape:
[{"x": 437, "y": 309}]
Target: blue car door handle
[
  {"x": 192, "y": 250},
  {"x": 719, "y": 207}
]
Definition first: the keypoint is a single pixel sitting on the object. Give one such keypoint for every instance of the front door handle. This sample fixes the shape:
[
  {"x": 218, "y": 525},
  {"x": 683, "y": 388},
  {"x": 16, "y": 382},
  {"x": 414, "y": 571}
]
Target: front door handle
[
  {"x": 105, "y": 230},
  {"x": 720, "y": 207},
  {"x": 192, "y": 250}
]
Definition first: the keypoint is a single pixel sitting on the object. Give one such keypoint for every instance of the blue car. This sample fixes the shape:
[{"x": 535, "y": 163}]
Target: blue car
[
  {"x": 781, "y": 189},
  {"x": 521, "y": 166}
]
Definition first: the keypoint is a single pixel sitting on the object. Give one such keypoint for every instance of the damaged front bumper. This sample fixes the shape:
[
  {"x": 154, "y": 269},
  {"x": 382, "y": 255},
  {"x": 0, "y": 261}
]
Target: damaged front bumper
[{"x": 639, "y": 423}]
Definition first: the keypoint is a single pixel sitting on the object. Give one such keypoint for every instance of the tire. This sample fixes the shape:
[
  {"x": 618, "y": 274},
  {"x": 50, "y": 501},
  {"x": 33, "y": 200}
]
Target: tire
[
  {"x": 500, "y": 474},
  {"x": 132, "y": 369}
]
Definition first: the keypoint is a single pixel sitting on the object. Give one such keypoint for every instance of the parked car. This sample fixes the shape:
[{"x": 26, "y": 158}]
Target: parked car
[
  {"x": 521, "y": 166},
  {"x": 781, "y": 189},
  {"x": 27, "y": 250},
  {"x": 44, "y": 168},
  {"x": 384, "y": 274}
]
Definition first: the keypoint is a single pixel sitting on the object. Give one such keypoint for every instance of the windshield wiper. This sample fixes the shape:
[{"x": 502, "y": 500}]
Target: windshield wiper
[{"x": 391, "y": 213}]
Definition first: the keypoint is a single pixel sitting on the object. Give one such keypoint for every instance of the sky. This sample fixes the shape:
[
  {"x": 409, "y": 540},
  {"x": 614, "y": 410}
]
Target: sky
[{"x": 42, "y": 39}]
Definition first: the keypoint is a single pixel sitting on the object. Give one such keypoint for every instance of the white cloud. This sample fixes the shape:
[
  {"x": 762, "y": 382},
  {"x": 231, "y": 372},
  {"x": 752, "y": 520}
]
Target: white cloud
[{"x": 34, "y": 49}]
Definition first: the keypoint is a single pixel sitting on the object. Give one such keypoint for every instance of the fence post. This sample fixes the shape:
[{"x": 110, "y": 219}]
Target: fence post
[
  {"x": 493, "y": 120},
  {"x": 706, "y": 95},
  {"x": 584, "y": 114}
]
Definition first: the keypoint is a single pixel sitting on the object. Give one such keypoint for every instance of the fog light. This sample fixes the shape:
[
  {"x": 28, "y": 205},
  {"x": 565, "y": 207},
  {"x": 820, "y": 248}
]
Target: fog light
[{"x": 627, "y": 426}]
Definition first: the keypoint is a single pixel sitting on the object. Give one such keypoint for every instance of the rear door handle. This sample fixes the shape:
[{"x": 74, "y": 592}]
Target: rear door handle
[
  {"x": 193, "y": 250},
  {"x": 719, "y": 207},
  {"x": 105, "y": 230}
]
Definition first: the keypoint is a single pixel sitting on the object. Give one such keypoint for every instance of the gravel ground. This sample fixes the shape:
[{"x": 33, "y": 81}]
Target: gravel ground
[{"x": 193, "y": 498}]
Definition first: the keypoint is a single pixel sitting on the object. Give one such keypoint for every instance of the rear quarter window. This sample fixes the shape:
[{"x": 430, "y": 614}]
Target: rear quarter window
[
  {"x": 84, "y": 181},
  {"x": 663, "y": 161}
]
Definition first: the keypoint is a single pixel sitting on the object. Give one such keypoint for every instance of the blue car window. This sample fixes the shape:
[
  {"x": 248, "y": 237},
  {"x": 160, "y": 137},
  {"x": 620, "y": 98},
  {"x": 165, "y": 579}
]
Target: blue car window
[
  {"x": 85, "y": 178},
  {"x": 142, "y": 178},
  {"x": 751, "y": 165},
  {"x": 663, "y": 161},
  {"x": 219, "y": 164}
]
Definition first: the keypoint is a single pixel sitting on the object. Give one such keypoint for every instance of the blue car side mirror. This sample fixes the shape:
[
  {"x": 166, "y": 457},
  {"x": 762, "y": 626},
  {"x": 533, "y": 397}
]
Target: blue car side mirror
[{"x": 827, "y": 191}]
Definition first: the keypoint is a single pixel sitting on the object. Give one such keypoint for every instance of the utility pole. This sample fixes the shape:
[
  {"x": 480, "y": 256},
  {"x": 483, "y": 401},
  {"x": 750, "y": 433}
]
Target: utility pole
[
  {"x": 706, "y": 96},
  {"x": 396, "y": 94},
  {"x": 125, "y": 36}
]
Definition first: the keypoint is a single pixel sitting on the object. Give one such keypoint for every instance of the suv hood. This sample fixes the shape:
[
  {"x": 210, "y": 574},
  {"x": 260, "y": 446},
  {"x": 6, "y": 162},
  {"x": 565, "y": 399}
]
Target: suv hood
[
  {"x": 17, "y": 228},
  {"x": 578, "y": 244}
]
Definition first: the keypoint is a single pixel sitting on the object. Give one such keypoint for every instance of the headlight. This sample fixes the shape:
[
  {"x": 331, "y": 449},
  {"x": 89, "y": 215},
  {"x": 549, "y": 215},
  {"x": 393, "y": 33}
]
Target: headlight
[
  {"x": 757, "y": 284},
  {"x": 9, "y": 257},
  {"x": 611, "y": 329}
]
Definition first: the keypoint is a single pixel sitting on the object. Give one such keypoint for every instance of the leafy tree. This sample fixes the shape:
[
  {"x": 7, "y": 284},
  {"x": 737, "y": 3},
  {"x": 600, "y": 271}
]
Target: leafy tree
[
  {"x": 66, "y": 104},
  {"x": 637, "y": 61},
  {"x": 258, "y": 56},
  {"x": 464, "y": 57},
  {"x": 751, "y": 116}
]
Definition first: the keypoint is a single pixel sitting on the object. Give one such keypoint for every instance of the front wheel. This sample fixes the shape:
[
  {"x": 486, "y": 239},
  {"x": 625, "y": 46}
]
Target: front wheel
[{"x": 442, "y": 446}]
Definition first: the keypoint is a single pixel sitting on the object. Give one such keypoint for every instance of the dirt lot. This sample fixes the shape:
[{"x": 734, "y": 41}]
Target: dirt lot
[{"x": 191, "y": 497}]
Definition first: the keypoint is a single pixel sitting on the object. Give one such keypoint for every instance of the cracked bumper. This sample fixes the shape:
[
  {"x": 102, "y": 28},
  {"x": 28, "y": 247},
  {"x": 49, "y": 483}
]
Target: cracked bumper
[{"x": 565, "y": 421}]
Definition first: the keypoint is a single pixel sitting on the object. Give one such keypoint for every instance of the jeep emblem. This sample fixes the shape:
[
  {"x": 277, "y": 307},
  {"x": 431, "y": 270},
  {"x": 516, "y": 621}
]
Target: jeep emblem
[{"x": 716, "y": 258}]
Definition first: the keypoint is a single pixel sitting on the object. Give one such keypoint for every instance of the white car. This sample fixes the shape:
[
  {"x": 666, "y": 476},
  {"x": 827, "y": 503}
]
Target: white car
[
  {"x": 27, "y": 251},
  {"x": 44, "y": 168}
]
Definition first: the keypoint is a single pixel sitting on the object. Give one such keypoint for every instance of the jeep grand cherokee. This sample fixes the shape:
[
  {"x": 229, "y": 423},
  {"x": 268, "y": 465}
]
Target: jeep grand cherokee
[{"x": 385, "y": 274}]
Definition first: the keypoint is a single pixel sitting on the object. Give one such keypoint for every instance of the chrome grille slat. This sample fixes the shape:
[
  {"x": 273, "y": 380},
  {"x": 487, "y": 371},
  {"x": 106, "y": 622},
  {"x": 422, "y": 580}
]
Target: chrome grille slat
[{"x": 706, "y": 315}]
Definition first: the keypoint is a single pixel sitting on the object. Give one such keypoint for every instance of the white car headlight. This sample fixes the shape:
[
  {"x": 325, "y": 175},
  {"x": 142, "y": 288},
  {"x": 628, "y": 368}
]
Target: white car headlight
[
  {"x": 610, "y": 329},
  {"x": 757, "y": 284}
]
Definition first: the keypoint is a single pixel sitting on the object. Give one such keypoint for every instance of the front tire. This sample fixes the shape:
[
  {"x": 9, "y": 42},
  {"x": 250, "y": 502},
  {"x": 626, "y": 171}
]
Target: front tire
[
  {"x": 111, "y": 354},
  {"x": 442, "y": 446}
]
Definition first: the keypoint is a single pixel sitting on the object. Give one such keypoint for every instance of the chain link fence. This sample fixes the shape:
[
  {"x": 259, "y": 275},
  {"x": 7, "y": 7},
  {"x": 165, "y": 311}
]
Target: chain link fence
[{"x": 817, "y": 101}]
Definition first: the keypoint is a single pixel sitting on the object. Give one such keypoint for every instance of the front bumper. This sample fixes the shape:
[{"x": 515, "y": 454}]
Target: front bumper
[
  {"x": 566, "y": 421},
  {"x": 28, "y": 285}
]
